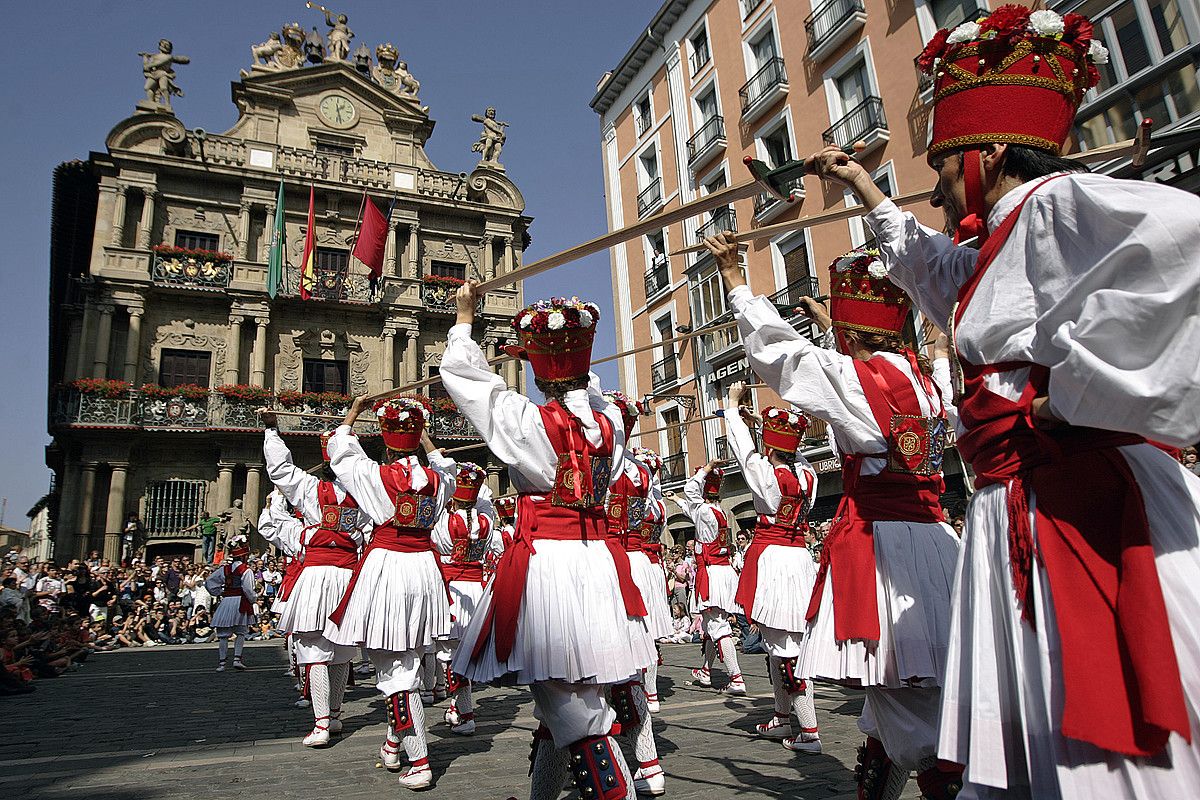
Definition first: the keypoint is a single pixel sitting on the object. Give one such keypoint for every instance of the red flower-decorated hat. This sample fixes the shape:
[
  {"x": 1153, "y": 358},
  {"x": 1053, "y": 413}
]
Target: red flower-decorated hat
[
  {"x": 556, "y": 337},
  {"x": 1011, "y": 76},
  {"x": 783, "y": 428},
  {"x": 238, "y": 547},
  {"x": 468, "y": 481},
  {"x": 506, "y": 507},
  {"x": 650, "y": 459},
  {"x": 325, "y": 437},
  {"x": 712, "y": 483},
  {"x": 862, "y": 298},
  {"x": 402, "y": 421},
  {"x": 630, "y": 409}
]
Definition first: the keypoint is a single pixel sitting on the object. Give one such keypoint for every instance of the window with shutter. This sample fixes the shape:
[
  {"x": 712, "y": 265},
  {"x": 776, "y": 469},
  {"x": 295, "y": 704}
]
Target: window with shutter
[
  {"x": 177, "y": 367},
  {"x": 321, "y": 375}
]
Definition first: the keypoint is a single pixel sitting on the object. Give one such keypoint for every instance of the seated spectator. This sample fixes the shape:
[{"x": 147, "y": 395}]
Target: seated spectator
[
  {"x": 200, "y": 627},
  {"x": 681, "y": 622}
]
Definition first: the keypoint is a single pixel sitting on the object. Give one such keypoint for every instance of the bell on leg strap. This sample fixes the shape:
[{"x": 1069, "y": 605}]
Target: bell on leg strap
[{"x": 598, "y": 768}]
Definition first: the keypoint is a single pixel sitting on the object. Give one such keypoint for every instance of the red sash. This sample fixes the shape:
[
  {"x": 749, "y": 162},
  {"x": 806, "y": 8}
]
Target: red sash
[
  {"x": 849, "y": 549},
  {"x": 771, "y": 533},
  {"x": 620, "y": 495},
  {"x": 1121, "y": 682},
  {"x": 329, "y": 546},
  {"x": 457, "y": 568},
  {"x": 397, "y": 480},
  {"x": 291, "y": 573},
  {"x": 233, "y": 587},
  {"x": 712, "y": 554}
]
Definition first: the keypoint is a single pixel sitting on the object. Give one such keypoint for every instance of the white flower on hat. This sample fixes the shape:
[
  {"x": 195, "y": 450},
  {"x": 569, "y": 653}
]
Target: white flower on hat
[
  {"x": 585, "y": 318},
  {"x": 527, "y": 321},
  {"x": 1046, "y": 23},
  {"x": 876, "y": 269},
  {"x": 1097, "y": 52},
  {"x": 967, "y": 32},
  {"x": 556, "y": 321}
]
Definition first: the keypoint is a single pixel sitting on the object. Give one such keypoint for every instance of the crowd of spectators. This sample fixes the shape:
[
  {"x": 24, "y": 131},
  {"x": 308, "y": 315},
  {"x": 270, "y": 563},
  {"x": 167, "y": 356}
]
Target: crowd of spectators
[{"x": 53, "y": 616}]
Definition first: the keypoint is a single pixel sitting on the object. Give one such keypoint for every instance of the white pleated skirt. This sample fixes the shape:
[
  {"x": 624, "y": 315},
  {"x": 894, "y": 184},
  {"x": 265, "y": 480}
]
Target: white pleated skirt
[
  {"x": 652, "y": 583},
  {"x": 571, "y": 626},
  {"x": 914, "y": 575},
  {"x": 785, "y": 583},
  {"x": 722, "y": 589},
  {"x": 399, "y": 603},
  {"x": 229, "y": 614},
  {"x": 1003, "y": 694},
  {"x": 313, "y": 598},
  {"x": 278, "y": 605},
  {"x": 465, "y": 597}
]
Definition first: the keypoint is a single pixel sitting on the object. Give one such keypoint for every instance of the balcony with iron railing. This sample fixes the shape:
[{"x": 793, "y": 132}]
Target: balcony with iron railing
[
  {"x": 864, "y": 123},
  {"x": 748, "y": 7},
  {"x": 718, "y": 343},
  {"x": 674, "y": 469},
  {"x": 787, "y": 302},
  {"x": 831, "y": 24},
  {"x": 650, "y": 198},
  {"x": 761, "y": 92},
  {"x": 664, "y": 373},
  {"x": 723, "y": 219},
  {"x": 701, "y": 55},
  {"x": 193, "y": 269},
  {"x": 767, "y": 206},
  {"x": 706, "y": 142},
  {"x": 641, "y": 123},
  {"x": 658, "y": 277}
]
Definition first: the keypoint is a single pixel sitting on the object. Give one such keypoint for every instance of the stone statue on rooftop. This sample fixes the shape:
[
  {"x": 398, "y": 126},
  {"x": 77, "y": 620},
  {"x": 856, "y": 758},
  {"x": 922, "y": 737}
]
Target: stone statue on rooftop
[
  {"x": 339, "y": 33},
  {"x": 314, "y": 47},
  {"x": 159, "y": 70},
  {"x": 491, "y": 140}
]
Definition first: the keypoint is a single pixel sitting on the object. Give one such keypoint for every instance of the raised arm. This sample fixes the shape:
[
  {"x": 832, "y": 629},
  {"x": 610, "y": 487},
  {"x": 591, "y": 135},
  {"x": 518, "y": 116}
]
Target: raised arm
[
  {"x": 278, "y": 527},
  {"x": 295, "y": 484},
  {"x": 757, "y": 470},
  {"x": 358, "y": 473}
]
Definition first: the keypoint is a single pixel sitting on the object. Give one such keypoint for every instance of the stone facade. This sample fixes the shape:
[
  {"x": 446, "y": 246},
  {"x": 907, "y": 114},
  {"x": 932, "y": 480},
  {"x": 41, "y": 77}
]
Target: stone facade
[{"x": 119, "y": 306}]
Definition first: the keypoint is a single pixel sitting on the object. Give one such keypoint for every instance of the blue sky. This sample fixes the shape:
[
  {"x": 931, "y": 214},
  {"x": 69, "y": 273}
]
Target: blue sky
[{"x": 74, "y": 73}]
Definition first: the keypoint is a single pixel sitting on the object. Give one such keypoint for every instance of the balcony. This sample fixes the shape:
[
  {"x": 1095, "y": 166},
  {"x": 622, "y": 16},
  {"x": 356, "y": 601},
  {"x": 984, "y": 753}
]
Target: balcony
[
  {"x": 674, "y": 469},
  {"x": 787, "y": 302},
  {"x": 723, "y": 219},
  {"x": 767, "y": 206},
  {"x": 451, "y": 425},
  {"x": 194, "y": 269},
  {"x": 641, "y": 123},
  {"x": 708, "y": 140},
  {"x": 658, "y": 277},
  {"x": 768, "y": 85},
  {"x": 331, "y": 286},
  {"x": 664, "y": 373},
  {"x": 748, "y": 7},
  {"x": 865, "y": 122},
  {"x": 701, "y": 55},
  {"x": 717, "y": 343},
  {"x": 650, "y": 198},
  {"x": 831, "y": 24}
]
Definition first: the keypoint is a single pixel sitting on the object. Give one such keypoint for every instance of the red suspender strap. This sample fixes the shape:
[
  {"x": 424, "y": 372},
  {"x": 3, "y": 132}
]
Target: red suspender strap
[{"x": 766, "y": 535}]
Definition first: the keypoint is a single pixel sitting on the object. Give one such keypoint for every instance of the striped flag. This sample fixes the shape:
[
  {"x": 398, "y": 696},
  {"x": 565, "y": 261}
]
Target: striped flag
[
  {"x": 277, "y": 257},
  {"x": 308, "y": 264}
]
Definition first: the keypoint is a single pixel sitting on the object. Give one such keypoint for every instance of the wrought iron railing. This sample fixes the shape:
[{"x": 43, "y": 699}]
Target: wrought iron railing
[
  {"x": 674, "y": 468},
  {"x": 650, "y": 197},
  {"x": 701, "y": 55},
  {"x": 771, "y": 74},
  {"x": 658, "y": 276},
  {"x": 826, "y": 19},
  {"x": 641, "y": 122},
  {"x": 723, "y": 219},
  {"x": 664, "y": 373},
  {"x": 787, "y": 299},
  {"x": 714, "y": 342},
  {"x": 331, "y": 285},
  {"x": 766, "y": 201},
  {"x": 748, "y": 7},
  {"x": 192, "y": 271},
  {"x": 721, "y": 449},
  {"x": 451, "y": 425},
  {"x": 859, "y": 122},
  {"x": 713, "y": 130}
]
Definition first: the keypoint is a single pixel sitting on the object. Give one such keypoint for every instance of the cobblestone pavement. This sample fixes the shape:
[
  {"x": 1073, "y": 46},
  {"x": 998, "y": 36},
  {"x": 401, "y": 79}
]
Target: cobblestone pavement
[{"x": 159, "y": 723}]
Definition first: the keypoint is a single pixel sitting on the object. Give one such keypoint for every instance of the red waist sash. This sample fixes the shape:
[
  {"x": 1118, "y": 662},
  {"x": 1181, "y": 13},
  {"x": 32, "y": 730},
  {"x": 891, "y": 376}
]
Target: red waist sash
[
  {"x": 386, "y": 537},
  {"x": 541, "y": 519},
  {"x": 764, "y": 537},
  {"x": 233, "y": 588},
  {"x": 290, "y": 575},
  {"x": 462, "y": 571},
  {"x": 710, "y": 555},
  {"x": 326, "y": 548},
  {"x": 653, "y": 551}
]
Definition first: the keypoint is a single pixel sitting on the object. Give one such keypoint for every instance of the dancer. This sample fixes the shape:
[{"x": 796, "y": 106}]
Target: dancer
[
  {"x": 880, "y": 610},
  {"x": 777, "y": 577},
  {"x": 1073, "y": 665},
  {"x": 233, "y": 582},
  {"x": 506, "y": 518},
  {"x": 556, "y": 616},
  {"x": 630, "y": 505},
  {"x": 716, "y": 580},
  {"x": 326, "y": 541},
  {"x": 396, "y": 601},
  {"x": 653, "y": 525},
  {"x": 464, "y": 536}
]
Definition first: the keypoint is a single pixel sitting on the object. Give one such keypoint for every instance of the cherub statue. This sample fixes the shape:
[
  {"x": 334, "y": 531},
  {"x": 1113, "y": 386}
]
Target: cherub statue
[
  {"x": 491, "y": 141},
  {"x": 339, "y": 34},
  {"x": 159, "y": 69}
]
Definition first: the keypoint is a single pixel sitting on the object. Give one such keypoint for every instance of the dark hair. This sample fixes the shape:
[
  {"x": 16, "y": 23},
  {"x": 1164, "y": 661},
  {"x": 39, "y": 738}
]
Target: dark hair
[
  {"x": 891, "y": 343},
  {"x": 785, "y": 457},
  {"x": 557, "y": 389},
  {"x": 1027, "y": 163}
]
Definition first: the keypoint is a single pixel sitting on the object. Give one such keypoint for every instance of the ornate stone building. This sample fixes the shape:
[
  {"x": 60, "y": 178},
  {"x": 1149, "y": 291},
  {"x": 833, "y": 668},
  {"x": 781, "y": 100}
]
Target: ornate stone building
[{"x": 159, "y": 285}]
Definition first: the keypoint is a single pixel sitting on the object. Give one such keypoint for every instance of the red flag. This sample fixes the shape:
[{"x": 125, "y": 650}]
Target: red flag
[
  {"x": 372, "y": 238},
  {"x": 308, "y": 266}
]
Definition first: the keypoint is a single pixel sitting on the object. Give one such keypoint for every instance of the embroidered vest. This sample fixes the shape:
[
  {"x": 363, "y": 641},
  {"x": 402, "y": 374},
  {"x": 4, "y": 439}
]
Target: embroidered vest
[{"x": 583, "y": 471}]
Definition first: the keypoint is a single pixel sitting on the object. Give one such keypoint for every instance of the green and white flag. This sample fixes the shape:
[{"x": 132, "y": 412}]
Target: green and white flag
[{"x": 277, "y": 259}]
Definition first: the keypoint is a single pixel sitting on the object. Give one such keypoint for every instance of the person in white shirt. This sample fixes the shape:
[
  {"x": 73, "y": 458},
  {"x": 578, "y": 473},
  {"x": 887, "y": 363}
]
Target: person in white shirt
[{"x": 49, "y": 588}]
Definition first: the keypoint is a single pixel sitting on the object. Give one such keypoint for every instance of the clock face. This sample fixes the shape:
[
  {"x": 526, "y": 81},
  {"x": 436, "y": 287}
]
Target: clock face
[{"x": 338, "y": 111}]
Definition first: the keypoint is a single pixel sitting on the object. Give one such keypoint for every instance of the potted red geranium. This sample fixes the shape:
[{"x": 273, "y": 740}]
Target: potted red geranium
[{"x": 102, "y": 387}]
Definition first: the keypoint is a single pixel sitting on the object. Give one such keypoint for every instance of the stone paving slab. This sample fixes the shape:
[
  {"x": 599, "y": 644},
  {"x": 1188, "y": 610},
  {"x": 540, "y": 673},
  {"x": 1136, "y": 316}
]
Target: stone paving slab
[{"x": 153, "y": 724}]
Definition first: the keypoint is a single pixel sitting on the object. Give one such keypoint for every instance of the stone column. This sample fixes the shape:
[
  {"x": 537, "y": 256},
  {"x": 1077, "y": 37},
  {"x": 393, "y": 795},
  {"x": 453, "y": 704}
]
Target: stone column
[
  {"x": 389, "y": 250},
  {"x": 147, "y": 224},
  {"x": 508, "y": 264},
  {"x": 87, "y": 495},
  {"x": 410, "y": 357},
  {"x": 115, "y": 516},
  {"x": 258, "y": 368},
  {"x": 103, "y": 337},
  {"x": 414, "y": 269},
  {"x": 244, "y": 230},
  {"x": 389, "y": 358},
  {"x": 133, "y": 344},
  {"x": 83, "y": 356},
  {"x": 118, "y": 217},
  {"x": 487, "y": 256},
  {"x": 224, "y": 487},
  {"x": 268, "y": 232},
  {"x": 252, "y": 502},
  {"x": 233, "y": 349},
  {"x": 512, "y": 373}
]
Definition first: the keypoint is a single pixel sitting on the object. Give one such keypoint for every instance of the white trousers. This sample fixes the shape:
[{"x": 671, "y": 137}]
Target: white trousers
[
  {"x": 396, "y": 671},
  {"x": 572, "y": 711}
]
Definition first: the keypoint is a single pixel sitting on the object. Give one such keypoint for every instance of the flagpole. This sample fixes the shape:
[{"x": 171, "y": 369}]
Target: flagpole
[{"x": 357, "y": 226}]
